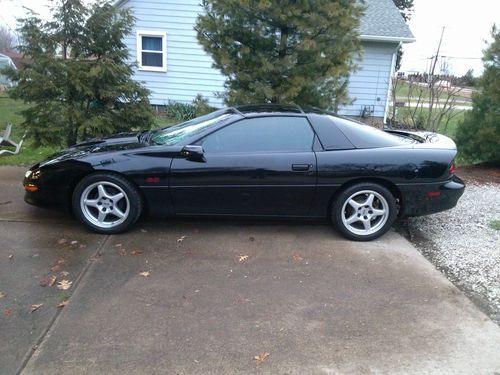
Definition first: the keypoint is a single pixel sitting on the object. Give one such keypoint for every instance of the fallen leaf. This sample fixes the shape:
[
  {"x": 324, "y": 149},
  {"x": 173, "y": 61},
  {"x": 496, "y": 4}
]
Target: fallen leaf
[
  {"x": 55, "y": 268},
  {"x": 122, "y": 252},
  {"x": 136, "y": 252},
  {"x": 95, "y": 257},
  {"x": 182, "y": 238},
  {"x": 61, "y": 261},
  {"x": 2, "y": 295},
  {"x": 35, "y": 307},
  {"x": 297, "y": 258},
  {"x": 144, "y": 273},
  {"x": 8, "y": 311},
  {"x": 62, "y": 304},
  {"x": 262, "y": 357},
  {"x": 242, "y": 258},
  {"x": 64, "y": 273},
  {"x": 52, "y": 280},
  {"x": 64, "y": 284},
  {"x": 62, "y": 241},
  {"x": 11, "y": 256}
]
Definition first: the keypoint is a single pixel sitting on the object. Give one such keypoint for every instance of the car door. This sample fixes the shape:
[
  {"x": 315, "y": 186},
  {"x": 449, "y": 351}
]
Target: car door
[{"x": 255, "y": 166}]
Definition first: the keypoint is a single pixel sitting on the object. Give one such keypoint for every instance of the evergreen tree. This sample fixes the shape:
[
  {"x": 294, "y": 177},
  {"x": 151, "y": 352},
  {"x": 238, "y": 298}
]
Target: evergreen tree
[
  {"x": 80, "y": 82},
  {"x": 282, "y": 51},
  {"x": 405, "y": 8},
  {"x": 478, "y": 137}
]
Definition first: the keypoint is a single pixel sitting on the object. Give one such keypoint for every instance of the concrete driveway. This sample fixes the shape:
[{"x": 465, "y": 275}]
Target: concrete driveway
[{"x": 206, "y": 297}]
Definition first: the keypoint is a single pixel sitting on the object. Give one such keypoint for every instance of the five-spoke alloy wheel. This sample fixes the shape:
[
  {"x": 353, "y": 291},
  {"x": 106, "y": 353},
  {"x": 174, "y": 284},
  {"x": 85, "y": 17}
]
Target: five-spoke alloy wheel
[
  {"x": 107, "y": 203},
  {"x": 364, "y": 211}
]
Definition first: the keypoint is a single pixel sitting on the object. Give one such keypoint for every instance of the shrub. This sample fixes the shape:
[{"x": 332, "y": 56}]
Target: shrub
[
  {"x": 180, "y": 111},
  {"x": 479, "y": 134},
  {"x": 184, "y": 111}
]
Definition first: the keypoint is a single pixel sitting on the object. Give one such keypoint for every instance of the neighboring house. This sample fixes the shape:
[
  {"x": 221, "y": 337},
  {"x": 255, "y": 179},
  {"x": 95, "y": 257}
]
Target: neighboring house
[
  {"x": 13, "y": 59},
  {"x": 5, "y": 62},
  {"x": 173, "y": 65}
]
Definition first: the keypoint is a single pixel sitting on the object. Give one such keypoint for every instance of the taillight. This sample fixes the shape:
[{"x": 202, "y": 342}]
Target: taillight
[{"x": 452, "y": 168}]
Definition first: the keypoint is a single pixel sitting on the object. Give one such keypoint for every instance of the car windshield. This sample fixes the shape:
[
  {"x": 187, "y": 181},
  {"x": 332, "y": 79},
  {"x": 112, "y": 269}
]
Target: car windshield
[{"x": 175, "y": 134}]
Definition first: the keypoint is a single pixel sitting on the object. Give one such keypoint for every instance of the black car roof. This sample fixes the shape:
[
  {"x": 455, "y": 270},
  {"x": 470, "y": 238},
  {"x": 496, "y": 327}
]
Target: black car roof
[{"x": 275, "y": 109}]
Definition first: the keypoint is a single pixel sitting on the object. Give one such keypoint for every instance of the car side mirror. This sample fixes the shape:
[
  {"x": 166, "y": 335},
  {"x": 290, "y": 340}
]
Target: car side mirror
[{"x": 193, "y": 153}]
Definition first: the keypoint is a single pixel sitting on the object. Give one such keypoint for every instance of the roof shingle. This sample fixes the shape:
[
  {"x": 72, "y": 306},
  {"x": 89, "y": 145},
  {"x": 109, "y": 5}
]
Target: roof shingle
[{"x": 383, "y": 20}]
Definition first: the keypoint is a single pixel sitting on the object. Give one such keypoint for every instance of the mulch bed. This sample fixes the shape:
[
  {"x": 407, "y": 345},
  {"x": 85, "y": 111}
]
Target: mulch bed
[{"x": 479, "y": 173}]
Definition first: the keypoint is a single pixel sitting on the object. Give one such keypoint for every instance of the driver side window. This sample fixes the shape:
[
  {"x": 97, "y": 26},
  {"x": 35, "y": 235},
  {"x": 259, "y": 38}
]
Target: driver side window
[{"x": 262, "y": 134}]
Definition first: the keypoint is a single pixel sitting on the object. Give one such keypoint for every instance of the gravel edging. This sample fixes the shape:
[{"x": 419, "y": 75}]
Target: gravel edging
[{"x": 461, "y": 243}]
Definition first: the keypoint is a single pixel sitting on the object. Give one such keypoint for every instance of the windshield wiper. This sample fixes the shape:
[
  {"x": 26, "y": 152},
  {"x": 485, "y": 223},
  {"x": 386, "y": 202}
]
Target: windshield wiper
[{"x": 145, "y": 136}]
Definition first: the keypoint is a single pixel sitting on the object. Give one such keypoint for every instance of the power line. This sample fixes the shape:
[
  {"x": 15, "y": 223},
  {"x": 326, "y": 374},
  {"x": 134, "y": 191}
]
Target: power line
[{"x": 461, "y": 57}]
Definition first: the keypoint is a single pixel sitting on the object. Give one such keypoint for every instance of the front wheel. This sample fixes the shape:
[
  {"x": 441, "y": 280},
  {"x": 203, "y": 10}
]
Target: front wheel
[
  {"x": 107, "y": 203},
  {"x": 364, "y": 211}
]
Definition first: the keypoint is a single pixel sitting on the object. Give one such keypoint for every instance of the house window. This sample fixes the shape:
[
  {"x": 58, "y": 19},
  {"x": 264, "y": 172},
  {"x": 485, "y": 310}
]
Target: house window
[{"x": 152, "y": 51}]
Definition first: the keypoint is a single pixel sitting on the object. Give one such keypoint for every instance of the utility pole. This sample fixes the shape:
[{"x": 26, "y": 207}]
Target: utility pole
[{"x": 437, "y": 55}]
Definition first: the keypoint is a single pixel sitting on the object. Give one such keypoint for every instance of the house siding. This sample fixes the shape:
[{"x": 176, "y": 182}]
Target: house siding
[
  {"x": 189, "y": 68},
  {"x": 369, "y": 85}
]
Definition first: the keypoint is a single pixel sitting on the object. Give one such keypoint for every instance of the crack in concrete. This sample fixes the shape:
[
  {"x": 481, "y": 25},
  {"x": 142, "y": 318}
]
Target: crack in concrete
[{"x": 52, "y": 322}]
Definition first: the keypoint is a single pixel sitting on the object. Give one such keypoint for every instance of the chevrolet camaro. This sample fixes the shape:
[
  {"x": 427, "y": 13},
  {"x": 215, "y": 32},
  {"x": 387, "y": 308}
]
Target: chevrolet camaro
[{"x": 253, "y": 161}]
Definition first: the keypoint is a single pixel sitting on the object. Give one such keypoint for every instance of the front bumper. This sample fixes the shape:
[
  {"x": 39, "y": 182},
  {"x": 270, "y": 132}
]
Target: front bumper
[
  {"x": 429, "y": 198},
  {"x": 38, "y": 194}
]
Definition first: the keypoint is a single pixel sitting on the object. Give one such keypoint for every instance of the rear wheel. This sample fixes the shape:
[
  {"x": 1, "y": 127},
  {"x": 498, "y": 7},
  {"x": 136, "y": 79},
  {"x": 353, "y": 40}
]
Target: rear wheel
[
  {"x": 364, "y": 211},
  {"x": 107, "y": 203}
]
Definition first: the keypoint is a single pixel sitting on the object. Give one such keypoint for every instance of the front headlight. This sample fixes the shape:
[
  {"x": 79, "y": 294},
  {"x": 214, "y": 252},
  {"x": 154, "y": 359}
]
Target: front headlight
[{"x": 33, "y": 174}]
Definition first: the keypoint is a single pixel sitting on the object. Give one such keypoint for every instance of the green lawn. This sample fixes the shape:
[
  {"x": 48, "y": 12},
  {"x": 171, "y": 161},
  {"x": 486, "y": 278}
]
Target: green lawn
[
  {"x": 403, "y": 89},
  {"x": 10, "y": 113}
]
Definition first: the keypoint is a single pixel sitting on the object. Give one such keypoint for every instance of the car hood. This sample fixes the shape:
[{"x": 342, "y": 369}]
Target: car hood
[{"x": 113, "y": 143}]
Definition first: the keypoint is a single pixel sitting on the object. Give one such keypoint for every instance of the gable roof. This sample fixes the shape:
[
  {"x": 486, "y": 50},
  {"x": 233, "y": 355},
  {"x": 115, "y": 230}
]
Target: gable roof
[{"x": 381, "y": 22}]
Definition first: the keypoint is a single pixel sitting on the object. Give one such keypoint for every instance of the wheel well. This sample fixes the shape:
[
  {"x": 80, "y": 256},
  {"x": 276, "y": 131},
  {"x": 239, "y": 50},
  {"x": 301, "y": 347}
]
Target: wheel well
[
  {"x": 396, "y": 193},
  {"x": 76, "y": 180}
]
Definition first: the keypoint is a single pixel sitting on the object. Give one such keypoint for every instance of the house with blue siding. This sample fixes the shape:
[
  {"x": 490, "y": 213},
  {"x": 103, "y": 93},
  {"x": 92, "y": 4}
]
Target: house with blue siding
[{"x": 174, "y": 66}]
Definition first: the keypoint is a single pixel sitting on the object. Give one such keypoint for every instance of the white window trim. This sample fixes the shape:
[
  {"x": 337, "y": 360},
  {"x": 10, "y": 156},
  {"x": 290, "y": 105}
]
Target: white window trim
[{"x": 163, "y": 35}]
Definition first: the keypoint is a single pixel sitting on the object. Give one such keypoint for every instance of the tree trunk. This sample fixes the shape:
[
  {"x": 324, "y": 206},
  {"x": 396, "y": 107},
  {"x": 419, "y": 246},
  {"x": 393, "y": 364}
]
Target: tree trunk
[{"x": 72, "y": 137}]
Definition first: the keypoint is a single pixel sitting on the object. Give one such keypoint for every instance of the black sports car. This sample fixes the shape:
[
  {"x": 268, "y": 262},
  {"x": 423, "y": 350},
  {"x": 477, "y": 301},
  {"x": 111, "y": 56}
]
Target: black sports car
[{"x": 266, "y": 161}]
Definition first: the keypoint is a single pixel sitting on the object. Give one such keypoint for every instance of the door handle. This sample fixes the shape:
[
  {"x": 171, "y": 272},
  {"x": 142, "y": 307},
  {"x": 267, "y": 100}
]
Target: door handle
[{"x": 301, "y": 167}]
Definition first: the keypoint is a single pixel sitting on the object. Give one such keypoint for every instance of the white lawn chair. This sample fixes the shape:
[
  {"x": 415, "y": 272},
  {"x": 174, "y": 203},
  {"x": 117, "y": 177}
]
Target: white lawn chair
[{"x": 6, "y": 141}]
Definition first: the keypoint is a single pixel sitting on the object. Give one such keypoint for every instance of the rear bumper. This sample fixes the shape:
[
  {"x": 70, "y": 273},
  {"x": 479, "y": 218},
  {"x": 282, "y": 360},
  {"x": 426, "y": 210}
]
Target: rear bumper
[{"x": 424, "y": 199}]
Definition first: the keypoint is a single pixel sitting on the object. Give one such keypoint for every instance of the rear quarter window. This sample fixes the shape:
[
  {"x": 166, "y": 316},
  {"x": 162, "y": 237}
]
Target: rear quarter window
[
  {"x": 366, "y": 136},
  {"x": 329, "y": 134}
]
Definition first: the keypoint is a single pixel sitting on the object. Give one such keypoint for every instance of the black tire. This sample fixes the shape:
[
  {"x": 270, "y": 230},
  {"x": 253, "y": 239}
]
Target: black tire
[
  {"x": 370, "y": 213},
  {"x": 114, "y": 185}
]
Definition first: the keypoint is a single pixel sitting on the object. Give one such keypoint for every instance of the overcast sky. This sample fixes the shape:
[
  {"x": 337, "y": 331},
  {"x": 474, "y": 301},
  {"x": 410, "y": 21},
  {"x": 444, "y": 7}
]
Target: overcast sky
[{"x": 467, "y": 25}]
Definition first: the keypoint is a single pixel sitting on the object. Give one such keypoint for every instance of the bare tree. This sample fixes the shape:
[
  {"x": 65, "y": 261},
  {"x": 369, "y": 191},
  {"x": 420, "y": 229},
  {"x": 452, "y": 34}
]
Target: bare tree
[
  {"x": 7, "y": 39},
  {"x": 426, "y": 106}
]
